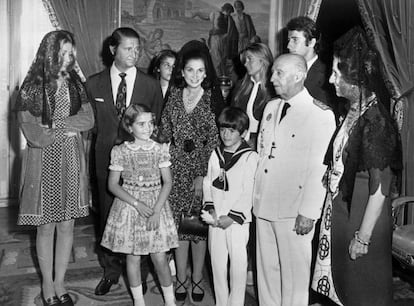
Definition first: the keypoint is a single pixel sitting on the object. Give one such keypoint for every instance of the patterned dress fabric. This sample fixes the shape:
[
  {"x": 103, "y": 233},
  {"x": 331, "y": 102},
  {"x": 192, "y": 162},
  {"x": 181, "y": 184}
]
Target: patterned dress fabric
[
  {"x": 364, "y": 151},
  {"x": 61, "y": 169},
  {"x": 200, "y": 129},
  {"x": 126, "y": 230}
]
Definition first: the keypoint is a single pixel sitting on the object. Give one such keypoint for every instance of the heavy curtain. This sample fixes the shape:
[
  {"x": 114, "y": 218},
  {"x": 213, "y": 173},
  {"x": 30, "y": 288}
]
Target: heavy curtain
[
  {"x": 390, "y": 26},
  {"x": 91, "y": 21},
  {"x": 295, "y": 8}
]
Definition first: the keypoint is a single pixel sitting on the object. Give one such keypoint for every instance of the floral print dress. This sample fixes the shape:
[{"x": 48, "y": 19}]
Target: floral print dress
[
  {"x": 126, "y": 230},
  {"x": 193, "y": 136}
]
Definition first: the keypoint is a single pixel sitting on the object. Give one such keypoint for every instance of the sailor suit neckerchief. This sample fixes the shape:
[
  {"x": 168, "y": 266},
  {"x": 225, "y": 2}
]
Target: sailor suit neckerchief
[{"x": 221, "y": 181}]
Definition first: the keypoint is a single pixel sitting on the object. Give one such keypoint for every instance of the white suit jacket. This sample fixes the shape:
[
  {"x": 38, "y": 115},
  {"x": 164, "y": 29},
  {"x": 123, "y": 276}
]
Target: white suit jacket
[{"x": 289, "y": 175}]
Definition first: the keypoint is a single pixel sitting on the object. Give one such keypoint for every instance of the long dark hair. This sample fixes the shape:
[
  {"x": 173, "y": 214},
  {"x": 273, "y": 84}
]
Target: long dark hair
[
  {"x": 36, "y": 94},
  {"x": 154, "y": 67},
  {"x": 46, "y": 65}
]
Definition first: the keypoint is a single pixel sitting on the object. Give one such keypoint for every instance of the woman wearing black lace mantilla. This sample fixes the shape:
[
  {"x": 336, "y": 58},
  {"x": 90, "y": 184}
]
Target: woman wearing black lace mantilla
[
  {"x": 354, "y": 256},
  {"x": 53, "y": 110}
]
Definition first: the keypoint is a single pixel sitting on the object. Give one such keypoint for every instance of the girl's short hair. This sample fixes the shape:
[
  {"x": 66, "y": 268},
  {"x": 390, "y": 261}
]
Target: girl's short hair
[
  {"x": 131, "y": 114},
  {"x": 235, "y": 118}
]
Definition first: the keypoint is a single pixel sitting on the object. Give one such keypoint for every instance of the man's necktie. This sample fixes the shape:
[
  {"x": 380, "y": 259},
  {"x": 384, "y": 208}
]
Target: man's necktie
[
  {"x": 284, "y": 110},
  {"x": 121, "y": 96}
]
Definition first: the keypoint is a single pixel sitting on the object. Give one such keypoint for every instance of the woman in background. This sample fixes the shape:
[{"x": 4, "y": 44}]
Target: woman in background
[
  {"x": 252, "y": 93},
  {"x": 354, "y": 264},
  {"x": 188, "y": 122},
  {"x": 161, "y": 68},
  {"x": 53, "y": 110}
]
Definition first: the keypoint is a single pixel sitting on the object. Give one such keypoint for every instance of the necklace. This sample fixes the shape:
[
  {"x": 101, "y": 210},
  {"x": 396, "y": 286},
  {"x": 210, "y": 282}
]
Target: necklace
[{"x": 190, "y": 99}]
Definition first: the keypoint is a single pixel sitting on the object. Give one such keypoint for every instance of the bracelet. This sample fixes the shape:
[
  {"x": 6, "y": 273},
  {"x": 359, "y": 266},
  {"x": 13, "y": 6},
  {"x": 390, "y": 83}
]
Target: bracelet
[{"x": 359, "y": 240}]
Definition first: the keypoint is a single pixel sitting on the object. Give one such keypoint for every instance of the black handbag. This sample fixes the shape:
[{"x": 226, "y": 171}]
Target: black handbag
[{"x": 191, "y": 223}]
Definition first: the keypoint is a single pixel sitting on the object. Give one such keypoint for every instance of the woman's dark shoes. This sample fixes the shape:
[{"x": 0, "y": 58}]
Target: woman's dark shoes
[
  {"x": 51, "y": 301},
  {"x": 104, "y": 286},
  {"x": 197, "y": 297},
  {"x": 66, "y": 300},
  {"x": 180, "y": 296}
]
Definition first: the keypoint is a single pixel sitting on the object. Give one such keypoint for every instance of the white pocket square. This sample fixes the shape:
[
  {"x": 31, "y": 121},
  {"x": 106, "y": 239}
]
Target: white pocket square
[{"x": 99, "y": 100}]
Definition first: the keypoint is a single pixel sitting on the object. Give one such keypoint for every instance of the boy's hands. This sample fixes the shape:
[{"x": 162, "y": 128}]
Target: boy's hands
[
  {"x": 224, "y": 222},
  {"x": 207, "y": 217},
  {"x": 210, "y": 217}
]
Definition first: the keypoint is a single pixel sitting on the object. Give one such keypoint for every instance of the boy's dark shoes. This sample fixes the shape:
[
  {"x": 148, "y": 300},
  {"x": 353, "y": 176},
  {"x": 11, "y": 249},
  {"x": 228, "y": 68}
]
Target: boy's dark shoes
[
  {"x": 66, "y": 300},
  {"x": 104, "y": 286}
]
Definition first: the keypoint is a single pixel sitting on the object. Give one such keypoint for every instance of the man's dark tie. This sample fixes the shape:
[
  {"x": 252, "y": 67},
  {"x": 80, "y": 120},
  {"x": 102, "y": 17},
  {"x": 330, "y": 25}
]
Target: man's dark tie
[
  {"x": 284, "y": 110},
  {"x": 121, "y": 96}
]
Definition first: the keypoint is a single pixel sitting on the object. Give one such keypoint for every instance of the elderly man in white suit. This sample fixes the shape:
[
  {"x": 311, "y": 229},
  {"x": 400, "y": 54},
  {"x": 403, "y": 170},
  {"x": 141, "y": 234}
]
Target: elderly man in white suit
[{"x": 289, "y": 194}]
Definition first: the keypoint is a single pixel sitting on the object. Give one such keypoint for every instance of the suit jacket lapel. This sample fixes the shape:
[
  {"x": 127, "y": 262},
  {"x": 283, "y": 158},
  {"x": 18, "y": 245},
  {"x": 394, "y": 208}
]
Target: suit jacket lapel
[
  {"x": 106, "y": 89},
  {"x": 136, "y": 93}
]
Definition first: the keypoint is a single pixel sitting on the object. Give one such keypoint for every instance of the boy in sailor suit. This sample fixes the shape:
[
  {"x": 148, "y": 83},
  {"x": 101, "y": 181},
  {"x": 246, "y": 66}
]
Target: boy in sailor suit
[{"x": 228, "y": 190}]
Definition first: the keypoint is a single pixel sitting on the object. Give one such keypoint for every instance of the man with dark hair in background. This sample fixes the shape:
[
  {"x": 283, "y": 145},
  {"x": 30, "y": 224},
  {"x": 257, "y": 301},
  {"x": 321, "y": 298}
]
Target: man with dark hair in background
[
  {"x": 304, "y": 39},
  {"x": 110, "y": 92}
]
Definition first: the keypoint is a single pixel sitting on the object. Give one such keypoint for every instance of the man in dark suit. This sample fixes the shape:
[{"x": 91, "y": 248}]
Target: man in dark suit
[
  {"x": 303, "y": 39},
  {"x": 111, "y": 91}
]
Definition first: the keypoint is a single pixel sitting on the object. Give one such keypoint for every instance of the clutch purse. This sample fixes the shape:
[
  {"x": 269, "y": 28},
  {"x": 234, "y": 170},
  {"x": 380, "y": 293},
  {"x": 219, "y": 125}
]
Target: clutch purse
[{"x": 191, "y": 223}]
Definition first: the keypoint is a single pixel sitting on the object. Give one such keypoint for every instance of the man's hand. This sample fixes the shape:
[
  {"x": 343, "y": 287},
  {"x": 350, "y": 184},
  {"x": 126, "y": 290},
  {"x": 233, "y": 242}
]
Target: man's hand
[{"x": 303, "y": 225}]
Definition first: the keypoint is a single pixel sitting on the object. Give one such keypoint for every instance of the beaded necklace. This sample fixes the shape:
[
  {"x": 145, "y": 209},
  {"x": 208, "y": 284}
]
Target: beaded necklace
[{"x": 190, "y": 99}]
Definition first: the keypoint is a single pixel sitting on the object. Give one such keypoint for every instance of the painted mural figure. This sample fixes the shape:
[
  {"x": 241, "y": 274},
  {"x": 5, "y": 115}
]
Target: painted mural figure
[
  {"x": 244, "y": 25},
  {"x": 223, "y": 37},
  {"x": 151, "y": 46}
]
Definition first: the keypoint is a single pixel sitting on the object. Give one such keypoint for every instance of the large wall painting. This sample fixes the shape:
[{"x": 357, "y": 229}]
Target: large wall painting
[{"x": 170, "y": 23}]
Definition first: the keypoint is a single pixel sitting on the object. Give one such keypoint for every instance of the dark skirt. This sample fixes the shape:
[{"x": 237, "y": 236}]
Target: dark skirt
[{"x": 367, "y": 280}]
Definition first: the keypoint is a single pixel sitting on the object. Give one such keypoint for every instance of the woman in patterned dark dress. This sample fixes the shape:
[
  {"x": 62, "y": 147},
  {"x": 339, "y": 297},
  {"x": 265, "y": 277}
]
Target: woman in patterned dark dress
[
  {"x": 53, "y": 110},
  {"x": 188, "y": 122},
  {"x": 353, "y": 265}
]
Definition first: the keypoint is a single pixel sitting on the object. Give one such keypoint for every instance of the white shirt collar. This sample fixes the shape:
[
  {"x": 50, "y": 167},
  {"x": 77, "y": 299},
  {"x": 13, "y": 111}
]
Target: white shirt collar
[
  {"x": 310, "y": 62},
  {"x": 131, "y": 74},
  {"x": 254, "y": 81}
]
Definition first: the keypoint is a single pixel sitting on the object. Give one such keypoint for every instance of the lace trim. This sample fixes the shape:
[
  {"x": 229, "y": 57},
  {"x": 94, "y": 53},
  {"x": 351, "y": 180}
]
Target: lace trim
[
  {"x": 373, "y": 144},
  {"x": 135, "y": 147}
]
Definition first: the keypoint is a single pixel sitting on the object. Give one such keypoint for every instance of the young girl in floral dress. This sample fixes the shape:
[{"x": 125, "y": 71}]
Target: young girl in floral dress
[{"x": 140, "y": 221}]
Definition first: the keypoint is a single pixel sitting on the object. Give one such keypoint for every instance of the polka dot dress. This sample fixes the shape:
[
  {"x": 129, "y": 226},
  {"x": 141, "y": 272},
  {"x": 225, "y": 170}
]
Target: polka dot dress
[{"x": 60, "y": 186}]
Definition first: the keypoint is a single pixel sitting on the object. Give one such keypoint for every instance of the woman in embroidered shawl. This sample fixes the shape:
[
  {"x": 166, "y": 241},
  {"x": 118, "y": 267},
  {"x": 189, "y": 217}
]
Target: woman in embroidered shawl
[
  {"x": 53, "y": 110},
  {"x": 354, "y": 256},
  {"x": 188, "y": 122}
]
